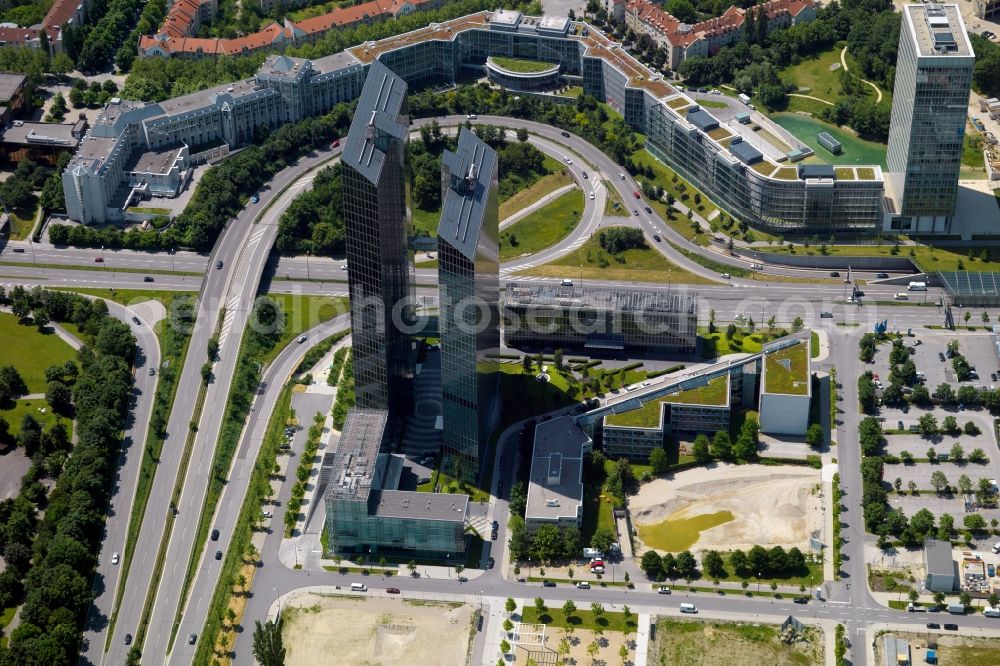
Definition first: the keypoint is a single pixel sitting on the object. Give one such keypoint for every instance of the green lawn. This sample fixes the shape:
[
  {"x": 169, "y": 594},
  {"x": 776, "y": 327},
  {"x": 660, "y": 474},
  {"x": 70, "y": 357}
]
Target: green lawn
[
  {"x": 15, "y": 413},
  {"x": 425, "y": 222},
  {"x": 613, "y": 205},
  {"x": 528, "y": 196},
  {"x": 984, "y": 654},
  {"x": 716, "y": 344},
  {"x": 521, "y": 65},
  {"x": 699, "y": 642},
  {"x": 973, "y": 162},
  {"x": 664, "y": 177},
  {"x": 711, "y": 104},
  {"x": 715, "y": 392},
  {"x": 451, "y": 485},
  {"x": 811, "y": 575},
  {"x": 542, "y": 228},
  {"x": 679, "y": 534},
  {"x": 813, "y": 344},
  {"x": 580, "y": 619},
  {"x": 813, "y": 76},
  {"x": 30, "y": 351},
  {"x": 928, "y": 258},
  {"x": 590, "y": 261},
  {"x": 791, "y": 380},
  {"x": 855, "y": 151},
  {"x": 303, "y": 313}
]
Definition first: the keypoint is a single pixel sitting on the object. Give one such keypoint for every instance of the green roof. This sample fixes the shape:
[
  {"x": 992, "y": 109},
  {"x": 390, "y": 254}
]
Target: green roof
[
  {"x": 787, "y": 370},
  {"x": 522, "y": 66},
  {"x": 715, "y": 392}
]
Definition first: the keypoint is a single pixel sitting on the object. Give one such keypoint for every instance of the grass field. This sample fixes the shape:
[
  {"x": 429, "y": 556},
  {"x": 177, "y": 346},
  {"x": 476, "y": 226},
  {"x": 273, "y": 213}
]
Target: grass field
[
  {"x": 425, "y": 222},
  {"x": 791, "y": 380},
  {"x": 22, "y": 220},
  {"x": 301, "y": 314},
  {"x": 613, "y": 205},
  {"x": 528, "y": 196},
  {"x": 542, "y": 228},
  {"x": 580, "y": 619},
  {"x": 928, "y": 258},
  {"x": 716, "y": 344},
  {"x": 664, "y": 177},
  {"x": 973, "y": 162},
  {"x": 813, "y": 76},
  {"x": 679, "y": 642},
  {"x": 855, "y": 151},
  {"x": 522, "y": 66},
  {"x": 30, "y": 351},
  {"x": 711, "y": 104},
  {"x": 15, "y": 413},
  {"x": 675, "y": 535},
  {"x": 590, "y": 261}
]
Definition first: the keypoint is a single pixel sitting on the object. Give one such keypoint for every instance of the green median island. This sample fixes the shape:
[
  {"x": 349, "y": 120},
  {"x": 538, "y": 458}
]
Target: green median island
[
  {"x": 714, "y": 393},
  {"x": 521, "y": 66},
  {"x": 786, "y": 371}
]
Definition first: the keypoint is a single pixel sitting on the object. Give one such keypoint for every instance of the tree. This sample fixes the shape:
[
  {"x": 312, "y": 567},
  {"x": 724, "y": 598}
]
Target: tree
[
  {"x": 504, "y": 646},
  {"x": 745, "y": 447},
  {"x": 540, "y": 606},
  {"x": 267, "y": 645},
  {"x": 568, "y": 608},
  {"x": 944, "y": 393},
  {"x": 11, "y": 384},
  {"x": 928, "y": 425},
  {"x": 669, "y": 564},
  {"x": 939, "y": 481},
  {"x": 687, "y": 566},
  {"x": 592, "y": 649},
  {"x": 602, "y": 539},
  {"x": 721, "y": 446},
  {"x": 651, "y": 564},
  {"x": 964, "y": 484},
  {"x": 797, "y": 325},
  {"x": 598, "y": 611},
  {"x": 974, "y": 522},
  {"x": 866, "y": 394},
  {"x": 700, "y": 449},
  {"x": 814, "y": 436},
  {"x": 526, "y": 364},
  {"x": 659, "y": 461},
  {"x": 510, "y": 605},
  {"x": 713, "y": 565}
]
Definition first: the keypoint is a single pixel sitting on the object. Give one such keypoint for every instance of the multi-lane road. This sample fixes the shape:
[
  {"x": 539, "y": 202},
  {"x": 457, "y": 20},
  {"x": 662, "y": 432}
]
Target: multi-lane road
[{"x": 243, "y": 249}]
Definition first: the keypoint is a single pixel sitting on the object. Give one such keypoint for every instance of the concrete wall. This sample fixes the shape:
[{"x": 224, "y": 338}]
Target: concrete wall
[
  {"x": 783, "y": 414},
  {"x": 833, "y": 262}
]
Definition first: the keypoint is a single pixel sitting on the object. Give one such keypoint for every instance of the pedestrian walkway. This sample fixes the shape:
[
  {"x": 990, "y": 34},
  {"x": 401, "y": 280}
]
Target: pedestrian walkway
[{"x": 642, "y": 639}]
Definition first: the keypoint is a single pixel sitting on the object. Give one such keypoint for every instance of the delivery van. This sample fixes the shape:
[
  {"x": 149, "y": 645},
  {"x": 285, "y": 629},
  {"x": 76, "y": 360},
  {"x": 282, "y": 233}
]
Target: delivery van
[
  {"x": 689, "y": 608},
  {"x": 359, "y": 587}
]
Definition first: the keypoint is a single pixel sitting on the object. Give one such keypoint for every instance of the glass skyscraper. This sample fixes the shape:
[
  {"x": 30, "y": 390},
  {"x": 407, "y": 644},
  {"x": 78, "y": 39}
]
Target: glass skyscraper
[
  {"x": 929, "y": 107},
  {"x": 469, "y": 284},
  {"x": 377, "y": 237}
]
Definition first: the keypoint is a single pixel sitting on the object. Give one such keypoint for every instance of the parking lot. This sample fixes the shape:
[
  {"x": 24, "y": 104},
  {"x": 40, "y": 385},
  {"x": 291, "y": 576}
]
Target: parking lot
[{"x": 926, "y": 349}]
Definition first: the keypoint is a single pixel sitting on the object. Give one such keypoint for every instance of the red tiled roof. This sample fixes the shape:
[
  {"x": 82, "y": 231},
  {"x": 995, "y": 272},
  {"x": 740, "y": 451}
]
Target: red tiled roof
[
  {"x": 731, "y": 19},
  {"x": 17, "y": 35}
]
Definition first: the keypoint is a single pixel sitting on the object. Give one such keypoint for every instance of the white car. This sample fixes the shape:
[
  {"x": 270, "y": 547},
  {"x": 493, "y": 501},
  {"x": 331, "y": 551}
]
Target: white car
[
  {"x": 301, "y": 339},
  {"x": 568, "y": 160},
  {"x": 591, "y": 196},
  {"x": 265, "y": 514},
  {"x": 583, "y": 585},
  {"x": 725, "y": 276},
  {"x": 663, "y": 589},
  {"x": 114, "y": 558}
]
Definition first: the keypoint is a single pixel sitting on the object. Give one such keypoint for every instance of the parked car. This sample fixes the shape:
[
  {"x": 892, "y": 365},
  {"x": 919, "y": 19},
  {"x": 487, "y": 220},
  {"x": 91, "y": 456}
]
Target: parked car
[
  {"x": 548, "y": 583},
  {"x": 255, "y": 198},
  {"x": 663, "y": 589},
  {"x": 951, "y": 627},
  {"x": 490, "y": 562},
  {"x": 933, "y": 625},
  {"x": 336, "y": 143}
]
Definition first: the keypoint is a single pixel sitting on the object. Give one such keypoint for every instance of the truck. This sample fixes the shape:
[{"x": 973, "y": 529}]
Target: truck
[
  {"x": 917, "y": 286},
  {"x": 744, "y": 98},
  {"x": 990, "y": 611},
  {"x": 593, "y": 554},
  {"x": 956, "y": 609}
]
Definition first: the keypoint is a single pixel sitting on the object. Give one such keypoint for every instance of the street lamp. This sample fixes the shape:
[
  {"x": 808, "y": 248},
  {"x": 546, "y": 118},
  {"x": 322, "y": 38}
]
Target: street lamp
[{"x": 307, "y": 264}]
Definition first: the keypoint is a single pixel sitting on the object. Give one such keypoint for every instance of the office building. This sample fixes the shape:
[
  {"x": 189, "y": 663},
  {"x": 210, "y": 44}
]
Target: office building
[
  {"x": 469, "y": 288},
  {"x": 366, "y": 515},
  {"x": 939, "y": 565},
  {"x": 726, "y": 168},
  {"x": 600, "y": 319},
  {"x": 13, "y": 101},
  {"x": 927, "y": 128},
  {"x": 376, "y": 238},
  {"x": 786, "y": 390},
  {"x": 555, "y": 487},
  {"x": 988, "y": 10}
]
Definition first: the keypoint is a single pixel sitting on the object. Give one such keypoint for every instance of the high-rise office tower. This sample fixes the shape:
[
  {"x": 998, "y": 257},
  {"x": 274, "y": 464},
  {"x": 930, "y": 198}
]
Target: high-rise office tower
[
  {"x": 377, "y": 240},
  {"x": 469, "y": 283},
  {"x": 929, "y": 106}
]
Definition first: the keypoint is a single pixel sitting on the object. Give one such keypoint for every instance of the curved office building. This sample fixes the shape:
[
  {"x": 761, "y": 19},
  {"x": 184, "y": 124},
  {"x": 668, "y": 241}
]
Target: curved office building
[
  {"x": 722, "y": 165},
  {"x": 545, "y": 77}
]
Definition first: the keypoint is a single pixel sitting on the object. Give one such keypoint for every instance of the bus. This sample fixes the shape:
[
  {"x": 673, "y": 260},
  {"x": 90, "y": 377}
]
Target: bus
[{"x": 917, "y": 286}]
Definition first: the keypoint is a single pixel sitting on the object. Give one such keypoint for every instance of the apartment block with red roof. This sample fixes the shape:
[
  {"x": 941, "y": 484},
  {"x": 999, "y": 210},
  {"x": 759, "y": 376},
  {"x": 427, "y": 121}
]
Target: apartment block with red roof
[{"x": 61, "y": 13}]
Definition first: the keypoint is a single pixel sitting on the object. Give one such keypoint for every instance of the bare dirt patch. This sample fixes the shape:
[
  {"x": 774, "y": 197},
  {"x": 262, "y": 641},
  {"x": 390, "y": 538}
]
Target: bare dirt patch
[
  {"x": 366, "y": 631},
  {"x": 772, "y": 506}
]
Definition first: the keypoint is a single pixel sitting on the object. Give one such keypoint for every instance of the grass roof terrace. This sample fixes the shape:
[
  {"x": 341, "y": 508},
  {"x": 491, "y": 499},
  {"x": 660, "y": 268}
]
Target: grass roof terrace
[
  {"x": 443, "y": 31},
  {"x": 786, "y": 371},
  {"x": 715, "y": 393}
]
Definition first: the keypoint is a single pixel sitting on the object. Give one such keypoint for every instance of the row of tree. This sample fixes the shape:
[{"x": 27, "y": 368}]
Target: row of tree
[
  {"x": 758, "y": 561},
  {"x": 63, "y": 544},
  {"x": 722, "y": 447}
]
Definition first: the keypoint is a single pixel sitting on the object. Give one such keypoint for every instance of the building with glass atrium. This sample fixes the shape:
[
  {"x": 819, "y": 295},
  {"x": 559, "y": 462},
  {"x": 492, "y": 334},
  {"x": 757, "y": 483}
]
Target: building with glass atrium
[
  {"x": 377, "y": 241},
  {"x": 469, "y": 288},
  {"x": 366, "y": 515},
  {"x": 927, "y": 128}
]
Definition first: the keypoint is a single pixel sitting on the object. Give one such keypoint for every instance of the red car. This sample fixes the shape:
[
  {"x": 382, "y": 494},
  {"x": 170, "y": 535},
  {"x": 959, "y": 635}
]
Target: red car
[
  {"x": 637, "y": 195},
  {"x": 98, "y": 260},
  {"x": 392, "y": 590},
  {"x": 336, "y": 143}
]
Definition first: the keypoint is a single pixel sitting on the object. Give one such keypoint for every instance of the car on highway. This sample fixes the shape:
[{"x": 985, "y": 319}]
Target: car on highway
[
  {"x": 941, "y": 357},
  {"x": 881, "y": 276},
  {"x": 725, "y": 276},
  {"x": 621, "y": 174},
  {"x": 148, "y": 278},
  {"x": 300, "y": 339},
  {"x": 801, "y": 600},
  {"x": 834, "y": 274},
  {"x": 496, "y": 524},
  {"x": 583, "y": 585},
  {"x": 585, "y": 176},
  {"x": 635, "y": 211},
  {"x": 215, "y": 535},
  {"x": 192, "y": 639},
  {"x": 128, "y": 639},
  {"x": 19, "y": 250},
  {"x": 98, "y": 260},
  {"x": 649, "y": 210},
  {"x": 656, "y": 237},
  {"x": 548, "y": 583},
  {"x": 135, "y": 320},
  {"x": 392, "y": 590},
  {"x": 152, "y": 371},
  {"x": 933, "y": 625},
  {"x": 218, "y": 554},
  {"x": 663, "y": 589},
  {"x": 426, "y": 460},
  {"x": 826, "y": 315},
  {"x": 591, "y": 196},
  {"x": 255, "y": 198},
  {"x": 265, "y": 514},
  {"x": 567, "y": 160},
  {"x": 218, "y": 264},
  {"x": 565, "y": 134},
  {"x": 471, "y": 116},
  {"x": 637, "y": 195},
  {"x": 114, "y": 558},
  {"x": 951, "y": 627}
]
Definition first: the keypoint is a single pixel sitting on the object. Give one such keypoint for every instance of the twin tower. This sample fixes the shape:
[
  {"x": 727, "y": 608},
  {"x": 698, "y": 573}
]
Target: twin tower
[{"x": 381, "y": 280}]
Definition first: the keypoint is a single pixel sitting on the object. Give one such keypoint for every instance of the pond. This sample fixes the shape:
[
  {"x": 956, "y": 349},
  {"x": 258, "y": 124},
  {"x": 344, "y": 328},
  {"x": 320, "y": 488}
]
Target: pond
[
  {"x": 676, "y": 534},
  {"x": 856, "y": 151}
]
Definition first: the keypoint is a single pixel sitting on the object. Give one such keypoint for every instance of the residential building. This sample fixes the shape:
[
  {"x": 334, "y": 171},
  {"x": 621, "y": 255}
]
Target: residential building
[
  {"x": 682, "y": 40},
  {"x": 786, "y": 389},
  {"x": 13, "y": 103},
  {"x": 60, "y": 14},
  {"x": 988, "y": 10},
  {"x": 729, "y": 170},
  {"x": 927, "y": 127},
  {"x": 376, "y": 237},
  {"x": 555, "y": 487},
  {"x": 469, "y": 290},
  {"x": 697, "y": 410},
  {"x": 939, "y": 565},
  {"x": 596, "y": 318},
  {"x": 367, "y": 515}
]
